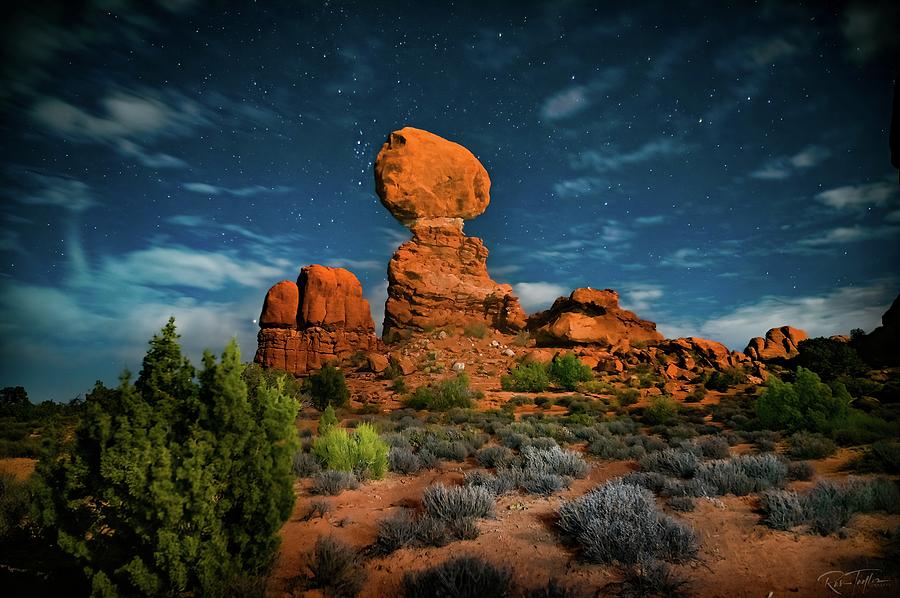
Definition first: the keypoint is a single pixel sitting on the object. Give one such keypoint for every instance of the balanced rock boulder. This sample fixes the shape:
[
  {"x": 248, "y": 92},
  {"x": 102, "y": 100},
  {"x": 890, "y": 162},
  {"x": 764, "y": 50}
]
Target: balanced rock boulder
[
  {"x": 322, "y": 317},
  {"x": 779, "y": 343},
  {"x": 439, "y": 277},
  {"x": 421, "y": 175},
  {"x": 590, "y": 317}
]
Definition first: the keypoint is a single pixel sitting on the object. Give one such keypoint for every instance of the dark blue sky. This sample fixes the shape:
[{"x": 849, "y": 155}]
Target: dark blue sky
[{"x": 725, "y": 168}]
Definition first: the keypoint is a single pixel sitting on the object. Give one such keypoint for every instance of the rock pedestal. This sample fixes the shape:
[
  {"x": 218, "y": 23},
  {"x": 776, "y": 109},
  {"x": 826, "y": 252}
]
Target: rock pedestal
[
  {"x": 439, "y": 277},
  {"x": 320, "y": 318}
]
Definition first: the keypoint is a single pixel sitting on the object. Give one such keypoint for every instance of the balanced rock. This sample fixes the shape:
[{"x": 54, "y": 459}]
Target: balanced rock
[
  {"x": 590, "y": 317},
  {"x": 421, "y": 175},
  {"x": 322, "y": 317},
  {"x": 439, "y": 277},
  {"x": 779, "y": 343}
]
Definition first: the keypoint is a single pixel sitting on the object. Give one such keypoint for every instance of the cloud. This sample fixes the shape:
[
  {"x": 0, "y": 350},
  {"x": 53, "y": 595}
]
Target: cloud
[
  {"x": 769, "y": 51},
  {"x": 579, "y": 187},
  {"x": 576, "y": 98},
  {"x": 612, "y": 158},
  {"x": 641, "y": 297},
  {"x": 650, "y": 220},
  {"x": 122, "y": 114},
  {"x": 341, "y": 262},
  {"x": 377, "y": 296},
  {"x": 538, "y": 295},
  {"x": 565, "y": 103},
  {"x": 207, "y": 189},
  {"x": 63, "y": 192},
  {"x": 849, "y": 234},
  {"x": 150, "y": 160},
  {"x": 492, "y": 50},
  {"x": 893, "y": 216},
  {"x": 686, "y": 257},
  {"x": 834, "y": 312},
  {"x": 168, "y": 266},
  {"x": 785, "y": 166},
  {"x": 870, "y": 29},
  {"x": 859, "y": 196}
]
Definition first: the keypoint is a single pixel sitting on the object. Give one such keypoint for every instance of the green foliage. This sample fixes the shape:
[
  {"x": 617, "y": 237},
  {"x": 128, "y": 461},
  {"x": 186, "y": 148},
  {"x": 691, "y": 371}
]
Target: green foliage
[
  {"x": 476, "y": 330},
  {"x": 328, "y": 421},
  {"x": 255, "y": 375},
  {"x": 567, "y": 371},
  {"x": 627, "y": 396},
  {"x": 661, "y": 410},
  {"x": 829, "y": 358},
  {"x": 805, "y": 404},
  {"x": 528, "y": 377},
  {"x": 722, "y": 381},
  {"x": 172, "y": 485},
  {"x": 328, "y": 387},
  {"x": 15, "y": 498},
  {"x": 804, "y": 445},
  {"x": 362, "y": 452},
  {"x": 444, "y": 395}
]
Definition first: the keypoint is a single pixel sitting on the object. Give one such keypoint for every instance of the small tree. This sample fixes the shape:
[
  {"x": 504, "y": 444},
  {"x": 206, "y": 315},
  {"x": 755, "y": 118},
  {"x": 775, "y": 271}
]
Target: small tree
[
  {"x": 806, "y": 404},
  {"x": 328, "y": 387},
  {"x": 328, "y": 421},
  {"x": 171, "y": 485},
  {"x": 567, "y": 371}
]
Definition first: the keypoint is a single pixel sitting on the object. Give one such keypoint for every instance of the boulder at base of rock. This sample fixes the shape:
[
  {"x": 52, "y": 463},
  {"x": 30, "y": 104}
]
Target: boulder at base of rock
[
  {"x": 590, "y": 317},
  {"x": 779, "y": 343},
  {"x": 321, "y": 318}
]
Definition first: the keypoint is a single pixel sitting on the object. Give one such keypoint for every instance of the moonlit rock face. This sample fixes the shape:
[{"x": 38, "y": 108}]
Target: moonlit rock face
[{"x": 421, "y": 175}]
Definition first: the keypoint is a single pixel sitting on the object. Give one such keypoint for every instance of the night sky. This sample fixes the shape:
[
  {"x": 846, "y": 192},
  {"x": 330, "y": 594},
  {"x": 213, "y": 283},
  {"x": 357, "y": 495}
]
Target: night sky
[{"x": 726, "y": 169}]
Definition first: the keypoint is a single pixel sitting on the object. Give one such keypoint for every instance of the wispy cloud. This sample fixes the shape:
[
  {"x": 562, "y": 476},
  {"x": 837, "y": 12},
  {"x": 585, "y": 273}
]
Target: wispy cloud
[
  {"x": 849, "y": 234},
  {"x": 641, "y": 297},
  {"x": 149, "y": 159},
  {"x": 612, "y": 158},
  {"x": 352, "y": 264},
  {"x": 183, "y": 267},
  {"x": 63, "y": 192},
  {"x": 538, "y": 295},
  {"x": 650, "y": 220},
  {"x": 870, "y": 29},
  {"x": 577, "y": 98},
  {"x": 207, "y": 189},
  {"x": 859, "y": 196},
  {"x": 785, "y": 166},
  {"x": 686, "y": 257},
  {"x": 578, "y": 187},
  {"x": 825, "y": 314}
]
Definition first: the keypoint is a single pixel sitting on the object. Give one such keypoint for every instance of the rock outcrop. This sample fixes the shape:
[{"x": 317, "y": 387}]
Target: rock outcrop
[
  {"x": 322, "y": 317},
  {"x": 590, "y": 317},
  {"x": 694, "y": 354},
  {"x": 779, "y": 343},
  {"x": 881, "y": 347},
  {"x": 439, "y": 277}
]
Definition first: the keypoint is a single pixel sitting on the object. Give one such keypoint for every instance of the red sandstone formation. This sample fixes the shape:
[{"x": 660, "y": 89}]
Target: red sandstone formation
[
  {"x": 320, "y": 318},
  {"x": 439, "y": 277},
  {"x": 779, "y": 343},
  {"x": 590, "y": 317}
]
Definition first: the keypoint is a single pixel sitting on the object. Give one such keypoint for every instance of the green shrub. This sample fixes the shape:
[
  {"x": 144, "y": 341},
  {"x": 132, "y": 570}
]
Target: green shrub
[
  {"x": 722, "y": 381},
  {"x": 328, "y": 421},
  {"x": 805, "y": 404},
  {"x": 176, "y": 484},
  {"x": 442, "y": 396},
  {"x": 627, "y": 396},
  {"x": 804, "y": 445},
  {"x": 362, "y": 452},
  {"x": 829, "y": 358},
  {"x": 863, "y": 428},
  {"x": 328, "y": 387},
  {"x": 529, "y": 377},
  {"x": 567, "y": 371},
  {"x": 15, "y": 499},
  {"x": 881, "y": 456},
  {"x": 662, "y": 410},
  {"x": 476, "y": 330}
]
